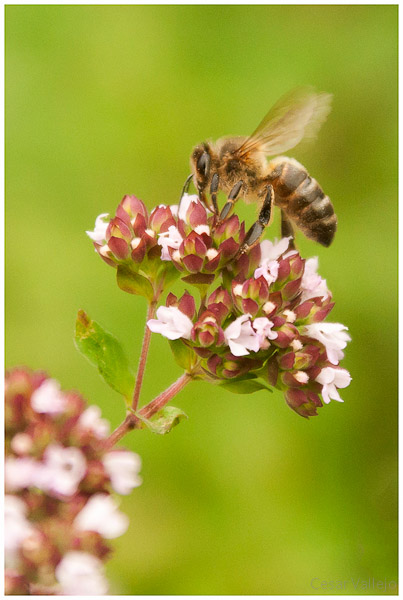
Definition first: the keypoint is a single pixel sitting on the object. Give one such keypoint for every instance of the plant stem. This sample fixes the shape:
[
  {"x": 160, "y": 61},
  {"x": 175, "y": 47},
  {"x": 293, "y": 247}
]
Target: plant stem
[
  {"x": 160, "y": 401},
  {"x": 130, "y": 423},
  {"x": 133, "y": 422},
  {"x": 143, "y": 356}
]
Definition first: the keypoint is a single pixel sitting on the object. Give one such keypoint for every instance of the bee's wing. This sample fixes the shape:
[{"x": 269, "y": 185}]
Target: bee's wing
[{"x": 299, "y": 114}]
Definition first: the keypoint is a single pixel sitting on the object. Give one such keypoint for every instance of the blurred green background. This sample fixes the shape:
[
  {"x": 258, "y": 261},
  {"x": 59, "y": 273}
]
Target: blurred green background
[{"x": 245, "y": 497}]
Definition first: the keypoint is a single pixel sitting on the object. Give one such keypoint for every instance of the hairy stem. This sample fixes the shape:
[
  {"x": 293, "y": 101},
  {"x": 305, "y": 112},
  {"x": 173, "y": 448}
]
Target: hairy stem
[
  {"x": 133, "y": 422},
  {"x": 160, "y": 401},
  {"x": 143, "y": 356}
]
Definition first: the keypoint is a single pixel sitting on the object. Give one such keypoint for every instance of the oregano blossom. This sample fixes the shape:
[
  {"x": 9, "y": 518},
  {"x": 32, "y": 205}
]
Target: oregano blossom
[{"x": 60, "y": 511}]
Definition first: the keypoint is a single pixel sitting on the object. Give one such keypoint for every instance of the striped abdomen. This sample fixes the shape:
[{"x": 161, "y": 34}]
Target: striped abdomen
[{"x": 302, "y": 199}]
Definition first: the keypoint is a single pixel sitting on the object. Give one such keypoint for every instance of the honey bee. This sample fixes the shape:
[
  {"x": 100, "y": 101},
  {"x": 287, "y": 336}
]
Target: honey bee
[{"x": 238, "y": 166}]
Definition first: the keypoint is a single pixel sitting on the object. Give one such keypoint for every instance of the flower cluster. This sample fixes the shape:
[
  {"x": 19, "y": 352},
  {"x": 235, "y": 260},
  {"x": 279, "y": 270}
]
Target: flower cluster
[
  {"x": 186, "y": 237},
  {"x": 265, "y": 318},
  {"x": 129, "y": 242},
  {"x": 59, "y": 510}
]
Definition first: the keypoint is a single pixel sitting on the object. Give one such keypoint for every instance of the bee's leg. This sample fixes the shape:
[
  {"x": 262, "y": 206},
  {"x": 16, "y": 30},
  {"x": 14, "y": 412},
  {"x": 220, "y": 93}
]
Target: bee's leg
[
  {"x": 185, "y": 189},
  {"x": 287, "y": 229},
  {"x": 232, "y": 198},
  {"x": 186, "y": 186},
  {"x": 253, "y": 235},
  {"x": 213, "y": 192}
]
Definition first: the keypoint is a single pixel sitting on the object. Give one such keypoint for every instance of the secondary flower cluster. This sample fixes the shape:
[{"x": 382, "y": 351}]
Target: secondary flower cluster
[
  {"x": 265, "y": 318},
  {"x": 59, "y": 510}
]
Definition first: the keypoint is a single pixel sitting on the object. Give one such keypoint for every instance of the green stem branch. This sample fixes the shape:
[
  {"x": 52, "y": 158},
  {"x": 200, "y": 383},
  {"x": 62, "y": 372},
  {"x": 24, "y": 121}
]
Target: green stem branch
[{"x": 133, "y": 422}]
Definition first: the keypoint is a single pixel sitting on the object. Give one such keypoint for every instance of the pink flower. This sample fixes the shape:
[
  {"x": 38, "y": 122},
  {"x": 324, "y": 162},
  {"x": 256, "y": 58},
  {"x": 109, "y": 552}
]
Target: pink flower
[
  {"x": 241, "y": 337},
  {"x": 312, "y": 284},
  {"x": 171, "y": 323},
  {"x": 58, "y": 473},
  {"x": 48, "y": 398},
  {"x": 63, "y": 470},
  {"x": 271, "y": 251},
  {"x": 332, "y": 336},
  {"x": 101, "y": 225},
  {"x": 331, "y": 379},
  {"x": 169, "y": 239},
  {"x": 21, "y": 443},
  {"x": 16, "y": 527},
  {"x": 101, "y": 514},
  {"x": 186, "y": 201},
  {"x": 91, "y": 420},
  {"x": 263, "y": 328},
  {"x": 20, "y": 473},
  {"x": 81, "y": 574},
  {"x": 123, "y": 469}
]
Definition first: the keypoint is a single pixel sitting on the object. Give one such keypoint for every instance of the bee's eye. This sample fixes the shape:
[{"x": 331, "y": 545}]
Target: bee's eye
[{"x": 203, "y": 164}]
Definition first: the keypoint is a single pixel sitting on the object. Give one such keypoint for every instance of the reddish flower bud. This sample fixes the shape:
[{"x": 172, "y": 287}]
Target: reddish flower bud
[
  {"x": 303, "y": 402},
  {"x": 295, "y": 379},
  {"x": 286, "y": 361},
  {"x": 161, "y": 219},
  {"x": 286, "y": 333},
  {"x": 119, "y": 247},
  {"x": 132, "y": 206},
  {"x": 171, "y": 300},
  {"x": 118, "y": 229},
  {"x": 207, "y": 332},
  {"x": 187, "y": 305}
]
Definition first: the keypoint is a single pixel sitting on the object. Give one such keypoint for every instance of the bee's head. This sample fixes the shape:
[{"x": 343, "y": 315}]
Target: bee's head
[{"x": 200, "y": 162}]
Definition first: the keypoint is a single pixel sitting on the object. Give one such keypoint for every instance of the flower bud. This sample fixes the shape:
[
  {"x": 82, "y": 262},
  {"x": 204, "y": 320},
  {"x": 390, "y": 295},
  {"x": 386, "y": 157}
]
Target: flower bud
[
  {"x": 250, "y": 296},
  {"x": 303, "y": 402},
  {"x": 220, "y": 303},
  {"x": 286, "y": 332},
  {"x": 207, "y": 332}
]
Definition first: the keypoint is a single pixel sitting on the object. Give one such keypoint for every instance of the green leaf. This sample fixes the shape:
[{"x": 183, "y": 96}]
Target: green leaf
[
  {"x": 133, "y": 283},
  {"x": 164, "y": 420},
  {"x": 183, "y": 354},
  {"x": 244, "y": 386},
  {"x": 105, "y": 352}
]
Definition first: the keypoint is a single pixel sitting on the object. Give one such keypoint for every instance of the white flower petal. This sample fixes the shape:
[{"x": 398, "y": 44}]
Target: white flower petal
[
  {"x": 101, "y": 225},
  {"x": 21, "y": 443},
  {"x": 237, "y": 349},
  {"x": 48, "y": 398},
  {"x": 63, "y": 469},
  {"x": 20, "y": 473},
  {"x": 171, "y": 323},
  {"x": 169, "y": 239},
  {"x": 342, "y": 378},
  {"x": 91, "y": 420},
  {"x": 186, "y": 201},
  {"x": 273, "y": 250},
  {"x": 241, "y": 337},
  {"x": 123, "y": 469},
  {"x": 81, "y": 574},
  {"x": 333, "y": 336},
  {"x": 101, "y": 514},
  {"x": 331, "y": 379},
  {"x": 16, "y": 525}
]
